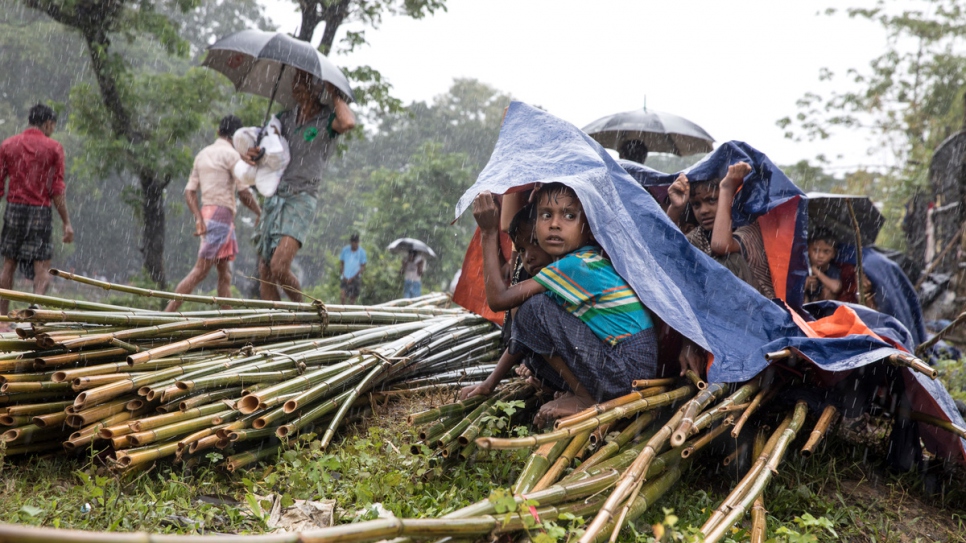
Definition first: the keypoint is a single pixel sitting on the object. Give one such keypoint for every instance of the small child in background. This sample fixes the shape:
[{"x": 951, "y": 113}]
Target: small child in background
[
  {"x": 591, "y": 331},
  {"x": 824, "y": 281},
  {"x": 741, "y": 251}
]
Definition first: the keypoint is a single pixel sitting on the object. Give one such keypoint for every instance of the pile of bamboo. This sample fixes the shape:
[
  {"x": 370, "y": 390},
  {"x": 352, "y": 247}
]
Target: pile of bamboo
[{"x": 152, "y": 385}]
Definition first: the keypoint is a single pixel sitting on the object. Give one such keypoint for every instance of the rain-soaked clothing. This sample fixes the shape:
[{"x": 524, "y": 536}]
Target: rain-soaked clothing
[
  {"x": 212, "y": 175},
  {"x": 35, "y": 165},
  {"x": 26, "y": 236},
  {"x": 284, "y": 214},
  {"x": 310, "y": 146},
  {"x": 735, "y": 262},
  {"x": 547, "y": 329},
  {"x": 219, "y": 242},
  {"x": 587, "y": 286}
]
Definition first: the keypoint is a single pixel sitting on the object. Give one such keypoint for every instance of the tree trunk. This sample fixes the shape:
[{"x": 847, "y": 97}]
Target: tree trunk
[{"x": 152, "y": 237}]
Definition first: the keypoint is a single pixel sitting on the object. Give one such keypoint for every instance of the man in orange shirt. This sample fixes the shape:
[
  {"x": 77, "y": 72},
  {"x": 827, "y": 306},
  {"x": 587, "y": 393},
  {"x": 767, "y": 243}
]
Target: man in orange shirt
[{"x": 35, "y": 165}]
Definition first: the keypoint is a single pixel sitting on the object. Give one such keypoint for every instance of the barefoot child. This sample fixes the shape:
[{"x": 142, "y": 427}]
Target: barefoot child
[
  {"x": 593, "y": 334},
  {"x": 741, "y": 251},
  {"x": 533, "y": 259}
]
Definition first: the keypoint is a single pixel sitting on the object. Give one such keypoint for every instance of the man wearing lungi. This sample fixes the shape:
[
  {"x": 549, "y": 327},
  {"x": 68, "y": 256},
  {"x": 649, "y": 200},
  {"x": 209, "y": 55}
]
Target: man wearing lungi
[
  {"x": 215, "y": 220},
  {"x": 35, "y": 165}
]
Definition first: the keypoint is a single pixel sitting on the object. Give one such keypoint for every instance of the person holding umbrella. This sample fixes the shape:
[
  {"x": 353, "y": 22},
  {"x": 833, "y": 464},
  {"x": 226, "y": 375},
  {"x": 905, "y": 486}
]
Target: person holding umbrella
[
  {"x": 413, "y": 265},
  {"x": 311, "y": 129}
]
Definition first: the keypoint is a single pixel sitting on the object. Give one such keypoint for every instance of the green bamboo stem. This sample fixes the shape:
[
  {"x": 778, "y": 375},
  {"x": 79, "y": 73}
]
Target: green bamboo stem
[
  {"x": 85, "y": 417},
  {"x": 462, "y": 426},
  {"x": 24, "y": 435},
  {"x": 16, "y": 420},
  {"x": 607, "y": 406},
  {"x": 157, "y": 421},
  {"x": 25, "y": 377},
  {"x": 238, "y": 379},
  {"x": 688, "y": 450},
  {"x": 36, "y": 386},
  {"x": 54, "y": 361},
  {"x": 250, "y": 434},
  {"x": 610, "y": 449},
  {"x": 632, "y": 476},
  {"x": 6, "y": 399},
  {"x": 52, "y": 301},
  {"x": 236, "y": 462},
  {"x": 938, "y": 423},
  {"x": 563, "y": 461},
  {"x": 313, "y": 385},
  {"x": 177, "y": 347},
  {"x": 693, "y": 408},
  {"x": 92, "y": 381},
  {"x": 312, "y": 415},
  {"x": 350, "y": 399},
  {"x": 38, "y": 408},
  {"x": 828, "y": 415},
  {"x": 89, "y": 433},
  {"x": 208, "y": 397},
  {"x": 741, "y": 488},
  {"x": 127, "y": 459},
  {"x": 146, "y": 437},
  {"x": 617, "y": 413},
  {"x": 476, "y": 426},
  {"x": 715, "y": 532},
  {"x": 101, "y": 394},
  {"x": 649, "y": 493},
  {"x": 537, "y": 465},
  {"x": 271, "y": 417}
]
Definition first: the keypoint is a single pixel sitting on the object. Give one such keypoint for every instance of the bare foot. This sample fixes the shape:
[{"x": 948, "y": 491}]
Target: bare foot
[{"x": 565, "y": 405}]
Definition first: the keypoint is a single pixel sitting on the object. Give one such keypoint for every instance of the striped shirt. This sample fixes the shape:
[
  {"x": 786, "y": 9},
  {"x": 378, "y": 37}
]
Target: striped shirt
[{"x": 587, "y": 286}]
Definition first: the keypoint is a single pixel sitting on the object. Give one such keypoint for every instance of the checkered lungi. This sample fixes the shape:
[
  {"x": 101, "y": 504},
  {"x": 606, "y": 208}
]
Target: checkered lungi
[
  {"x": 26, "y": 236},
  {"x": 547, "y": 329}
]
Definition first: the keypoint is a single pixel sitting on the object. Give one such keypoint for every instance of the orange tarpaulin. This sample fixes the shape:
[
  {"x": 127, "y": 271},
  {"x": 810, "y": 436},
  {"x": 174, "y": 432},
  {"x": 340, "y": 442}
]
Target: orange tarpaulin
[{"x": 470, "y": 292}]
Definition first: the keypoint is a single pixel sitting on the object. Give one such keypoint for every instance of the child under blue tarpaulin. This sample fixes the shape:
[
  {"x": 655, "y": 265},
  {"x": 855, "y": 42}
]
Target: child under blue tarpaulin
[{"x": 591, "y": 331}]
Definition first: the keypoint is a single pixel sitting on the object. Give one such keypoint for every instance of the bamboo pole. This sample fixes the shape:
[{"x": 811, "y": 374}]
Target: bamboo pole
[
  {"x": 909, "y": 361},
  {"x": 926, "y": 345},
  {"x": 537, "y": 465},
  {"x": 693, "y": 408},
  {"x": 715, "y": 532},
  {"x": 821, "y": 427},
  {"x": 608, "y": 405},
  {"x": 563, "y": 461},
  {"x": 609, "y": 449},
  {"x": 617, "y": 413}
]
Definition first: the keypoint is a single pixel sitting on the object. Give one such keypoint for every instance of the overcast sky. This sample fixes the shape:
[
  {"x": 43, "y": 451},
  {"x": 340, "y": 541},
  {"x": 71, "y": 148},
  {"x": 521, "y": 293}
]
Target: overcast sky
[{"x": 732, "y": 67}]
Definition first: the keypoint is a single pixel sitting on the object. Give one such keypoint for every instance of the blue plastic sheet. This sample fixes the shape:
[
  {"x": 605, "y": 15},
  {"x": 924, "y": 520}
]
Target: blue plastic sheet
[{"x": 687, "y": 289}]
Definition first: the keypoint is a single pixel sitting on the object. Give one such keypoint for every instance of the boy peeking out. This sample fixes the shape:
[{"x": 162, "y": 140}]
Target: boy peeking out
[
  {"x": 742, "y": 251},
  {"x": 824, "y": 281},
  {"x": 590, "y": 332}
]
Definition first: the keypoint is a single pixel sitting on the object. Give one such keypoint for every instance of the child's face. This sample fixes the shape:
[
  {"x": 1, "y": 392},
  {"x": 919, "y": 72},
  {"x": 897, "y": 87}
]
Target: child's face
[
  {"x": 704, "y": 204},
  {"x": 534, "y": 258},
  {"x": 821, "y": 253},
  {"x": 561, "y": 225}
]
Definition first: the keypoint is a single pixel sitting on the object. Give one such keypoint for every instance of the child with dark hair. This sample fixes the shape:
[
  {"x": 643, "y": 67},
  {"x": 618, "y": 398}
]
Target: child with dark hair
[
  {"x": 742, "y": 251},
  {"x": 824, "y": 281},
  {"x": 591, "y": 331}
]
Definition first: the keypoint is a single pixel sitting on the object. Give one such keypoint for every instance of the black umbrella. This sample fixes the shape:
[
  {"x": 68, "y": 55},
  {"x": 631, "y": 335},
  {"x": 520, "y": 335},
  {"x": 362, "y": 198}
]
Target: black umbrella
[
  {"x": 659, "y": 132},
  {"x": 831, "y": 212},
  {"x": 255, "y": 61}
]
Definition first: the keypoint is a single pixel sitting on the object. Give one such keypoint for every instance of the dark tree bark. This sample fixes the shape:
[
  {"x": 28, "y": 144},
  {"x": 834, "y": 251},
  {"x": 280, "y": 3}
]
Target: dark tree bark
[
  {"x": 152, "y": 235},
  {"x": 315, "y": 12}
]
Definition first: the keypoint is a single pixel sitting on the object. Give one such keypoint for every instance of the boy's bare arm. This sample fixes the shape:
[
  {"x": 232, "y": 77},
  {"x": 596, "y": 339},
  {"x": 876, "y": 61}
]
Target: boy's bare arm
[
  {"x": 678, "y": 194},
  {"x": 249, "y": 201},
  {"x": 499, "y": 296},
  {"x": 723, "y": 241},
  {"x": 485, "y": 388},
  {"x": 830, "y": 287}
]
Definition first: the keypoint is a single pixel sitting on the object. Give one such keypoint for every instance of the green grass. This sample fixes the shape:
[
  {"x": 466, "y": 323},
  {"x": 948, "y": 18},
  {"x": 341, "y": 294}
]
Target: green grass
[{"x": 841, "y": 489}]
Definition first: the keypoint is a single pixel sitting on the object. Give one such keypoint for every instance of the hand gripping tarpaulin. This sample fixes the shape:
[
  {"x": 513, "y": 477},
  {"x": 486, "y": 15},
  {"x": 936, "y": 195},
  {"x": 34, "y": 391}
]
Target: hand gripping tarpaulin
[
  {"x": 767, "y": 196},
  {"x": 686, "y": 288}
]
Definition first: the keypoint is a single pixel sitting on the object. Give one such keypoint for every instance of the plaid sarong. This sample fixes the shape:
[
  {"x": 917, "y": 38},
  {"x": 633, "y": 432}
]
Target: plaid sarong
[
  {"x": 26, "y": 236},
  {"x": 219, "y": 242},
  {"x": 544, "y": 327},
  {"x": 284, "y": 214}
]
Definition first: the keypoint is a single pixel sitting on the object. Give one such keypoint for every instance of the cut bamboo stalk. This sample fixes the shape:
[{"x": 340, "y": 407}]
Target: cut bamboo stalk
[
  {"x": 84, "y": 417},
  {"x": 699, "y": 383},
  {"x": 909, "y": 361},
  {"x": 563, "y": 461},
  {"x": 607, "y": 406},
  {"x": 51, "y": 420},
  {"x": 54, "y": 361},
  {"x": 688, "y": 450},
  {"x": 235, "y": 462},
  {"x": 821, "y": 427},
  {"x": 609, "y": 449},
  {"x": 692, "y": 409},
  {"x": 939, "y": 423},
  {"x": 716, "y": 532},
  {"x": 537, "y": 465},
  {"x": 617, "y": 413},
  {"x": 286, "y": 430},
  {"x": 759, "y": 522},
  {"x": 38, "y": 408}
]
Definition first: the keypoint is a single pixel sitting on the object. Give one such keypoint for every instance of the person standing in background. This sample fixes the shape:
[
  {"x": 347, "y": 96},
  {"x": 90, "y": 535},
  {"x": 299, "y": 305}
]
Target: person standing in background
[
  {"x": 35, "y": 165},
  {"x": 352, "y": 262},
  {"x": 412, "y": 269}
]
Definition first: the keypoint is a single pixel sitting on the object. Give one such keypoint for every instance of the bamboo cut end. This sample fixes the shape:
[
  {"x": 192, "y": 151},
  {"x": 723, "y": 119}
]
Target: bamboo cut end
[{"x": 248, "y": 404}]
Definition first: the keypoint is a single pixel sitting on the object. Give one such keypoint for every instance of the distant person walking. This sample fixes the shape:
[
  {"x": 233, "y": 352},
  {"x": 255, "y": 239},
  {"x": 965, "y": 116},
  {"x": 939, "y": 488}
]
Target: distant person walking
[
  {"x": 412, "y": 269},
  {"x": 35, "y": 165},
  {"x": 352, "y": 262},
  {"x": 215, "y": 220},
  {"x": 311, "y": 130}
]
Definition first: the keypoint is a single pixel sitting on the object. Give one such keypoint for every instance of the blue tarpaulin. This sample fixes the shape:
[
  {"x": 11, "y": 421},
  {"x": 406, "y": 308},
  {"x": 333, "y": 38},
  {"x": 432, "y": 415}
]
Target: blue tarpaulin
[{"x": 687, "y": 289}]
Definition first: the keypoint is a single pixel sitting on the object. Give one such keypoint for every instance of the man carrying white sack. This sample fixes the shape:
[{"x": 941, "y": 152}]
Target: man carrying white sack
[{"x": 215, "y": 219}]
